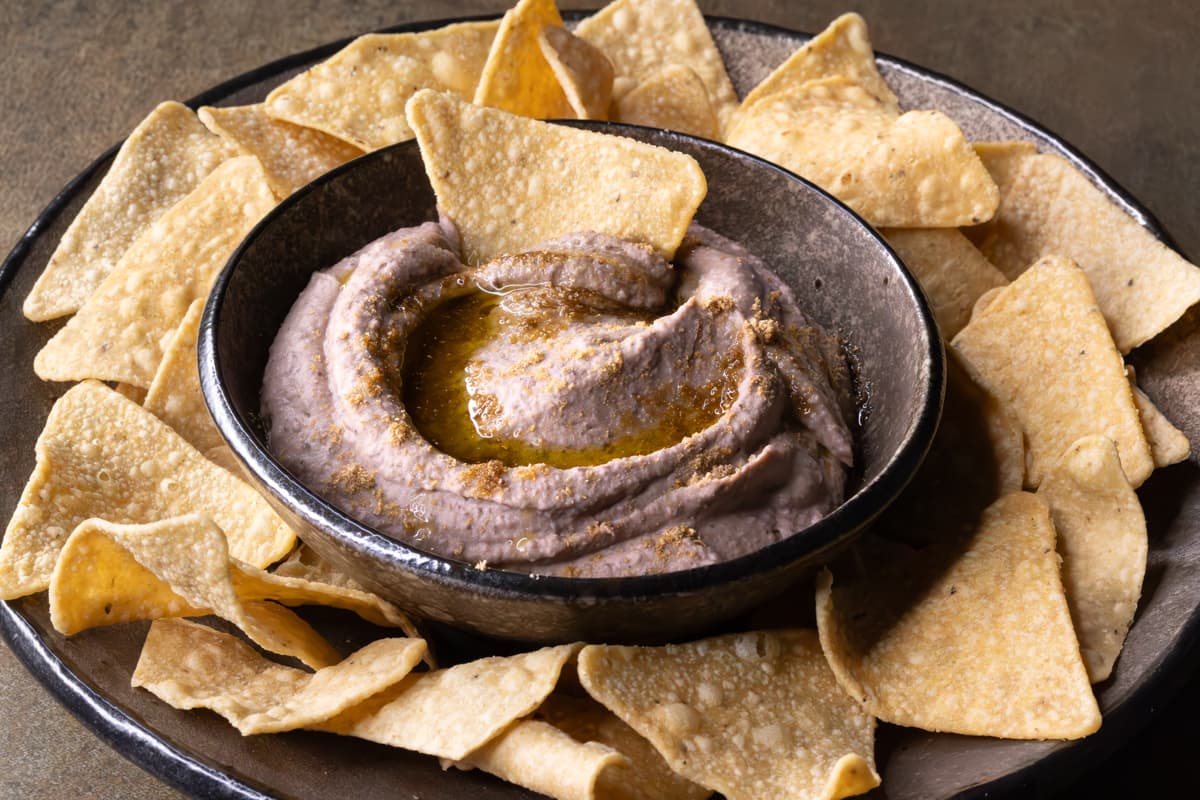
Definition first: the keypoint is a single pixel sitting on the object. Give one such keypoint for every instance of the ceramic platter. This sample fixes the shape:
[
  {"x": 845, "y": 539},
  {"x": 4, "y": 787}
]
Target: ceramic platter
[{"x": 201, "y": 754}]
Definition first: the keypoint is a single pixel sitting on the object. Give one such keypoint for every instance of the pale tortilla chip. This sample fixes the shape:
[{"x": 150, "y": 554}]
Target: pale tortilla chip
[
  {"x": 646, "y": 777},
  {"x": 584, "y": 73},
  {"x": 977, "y": 456},
  {"x": 291, "y": 155},
  {"x": 165, "y": 157},
  {"x": 1102, "y": 541},
  {"x": 307, "y": 564},
  {"x": 120, "y": 332},
  {"x": 1047, "y": 206},
  {"x": 540, "y": 757},
  {"x": 750, "y": 715},
  {"x": 975, "y": 638},
  {"x": 453, "y": 712},
  {"x": 842, "y": 49},
  {"x": 101, "y": 455},
  {"x": 188, "y": 665},
  {"x": 672, "y": 98},
  {"x": 509, "y": 182},
  {"x": 517, "y": 78},
  {"x": 641, "y": 37},
  {"x": 1042, "y": 348},
  {"x": 107, "y": 574},
  {"x": 358, "y": 94},
  {"x": 953, "y": 273},
  {"x": 915, "y": 170},
  {"x": 1168, "y": 444},
  {"x": 175, "y": 396}
]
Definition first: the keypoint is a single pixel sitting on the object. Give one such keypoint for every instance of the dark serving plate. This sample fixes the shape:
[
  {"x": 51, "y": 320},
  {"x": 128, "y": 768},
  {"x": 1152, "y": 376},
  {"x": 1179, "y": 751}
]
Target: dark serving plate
[{"x": 201, "y": 754}]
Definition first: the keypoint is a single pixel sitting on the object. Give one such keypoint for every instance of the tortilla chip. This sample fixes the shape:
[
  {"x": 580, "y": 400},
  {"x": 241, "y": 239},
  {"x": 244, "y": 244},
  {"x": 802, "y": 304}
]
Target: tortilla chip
[
  {"x": 291, "y": 155},
  {"x": 641, "y": 37},
  {"x": 135, "y": 393},
  {"x": 517, "y": 78},
  {"x": 107, "y": 574},
  {"x": 673, "y": 98},
  {"x": 175, "y": 395},
  {"x": 358, "y": 94},
  {"x": 101, "y": 455},
  {"x": 509, "y": 182},
  {"x": 120, "y": 332},
  {"x": 540, "y": 757},
  {"x": 1047, "y": 206},
  {"x": 974, "y": 638},
  {"x": 1042, "y": 348},
  {"x": 453, "y": 712},
  {"x": 646, "y": 777},
  {"x": 843, "y": 49},
  {"x": 307, "y": 564},
  {"x": 977, "y": 456},
  {"x": 985, "y": 300},
  {"x": 1102, "y": 541},
  {"x": 164, "y": 159},
  {"x": 584, "y": 73},
  {"x": 1168, "y": 444},
  {"x": 750, "y": 715},
  {"x": 188, "y": 665},
  {"x": 915, "y": 170},
  {"x": 952, "y": 272}
]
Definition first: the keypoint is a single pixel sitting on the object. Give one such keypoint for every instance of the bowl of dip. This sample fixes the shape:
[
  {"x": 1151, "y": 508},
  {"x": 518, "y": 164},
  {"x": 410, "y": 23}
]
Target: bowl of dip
[{"x": 580, "y": 441}]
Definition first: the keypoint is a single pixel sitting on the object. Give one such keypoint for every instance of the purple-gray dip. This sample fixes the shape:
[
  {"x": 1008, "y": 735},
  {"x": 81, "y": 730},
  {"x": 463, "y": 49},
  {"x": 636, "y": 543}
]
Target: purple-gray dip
[{"x": 714, "y": 340}]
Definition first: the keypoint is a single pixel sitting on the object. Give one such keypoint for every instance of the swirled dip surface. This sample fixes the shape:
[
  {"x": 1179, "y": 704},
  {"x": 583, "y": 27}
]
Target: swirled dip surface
[{"x": 582, "y": 409}]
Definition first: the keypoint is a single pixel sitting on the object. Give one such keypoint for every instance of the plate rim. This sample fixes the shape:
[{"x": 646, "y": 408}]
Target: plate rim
[{"x": 196, "y": 774}]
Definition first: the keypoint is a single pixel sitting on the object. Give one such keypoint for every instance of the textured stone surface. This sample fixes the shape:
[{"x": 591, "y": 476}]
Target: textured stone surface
[{"x": 1117, "y": 78}]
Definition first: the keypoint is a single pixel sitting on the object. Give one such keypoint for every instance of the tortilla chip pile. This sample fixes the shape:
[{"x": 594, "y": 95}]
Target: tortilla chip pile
[{"x": 985, "y": 602}]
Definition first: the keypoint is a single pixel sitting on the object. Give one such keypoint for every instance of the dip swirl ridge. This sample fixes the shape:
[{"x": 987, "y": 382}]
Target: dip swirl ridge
[{"x": 636, "y": 416}]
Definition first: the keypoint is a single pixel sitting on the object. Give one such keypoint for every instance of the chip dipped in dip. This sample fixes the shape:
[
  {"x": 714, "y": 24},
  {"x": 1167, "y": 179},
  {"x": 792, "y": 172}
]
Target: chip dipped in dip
[{"x": 584, "y": 408}]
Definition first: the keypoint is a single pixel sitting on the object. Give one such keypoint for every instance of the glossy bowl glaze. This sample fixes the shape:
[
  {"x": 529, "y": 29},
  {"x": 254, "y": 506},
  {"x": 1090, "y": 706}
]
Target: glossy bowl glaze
[{"x": 845, "y": 277}]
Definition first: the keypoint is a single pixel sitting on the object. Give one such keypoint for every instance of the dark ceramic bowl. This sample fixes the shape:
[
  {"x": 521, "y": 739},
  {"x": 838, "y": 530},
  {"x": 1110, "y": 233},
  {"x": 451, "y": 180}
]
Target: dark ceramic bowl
[{"x": 846, "y": 278}]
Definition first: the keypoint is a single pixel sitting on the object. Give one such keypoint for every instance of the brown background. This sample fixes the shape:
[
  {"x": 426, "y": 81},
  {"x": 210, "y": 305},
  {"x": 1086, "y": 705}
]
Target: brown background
[{"x": 1119, "y": 79}]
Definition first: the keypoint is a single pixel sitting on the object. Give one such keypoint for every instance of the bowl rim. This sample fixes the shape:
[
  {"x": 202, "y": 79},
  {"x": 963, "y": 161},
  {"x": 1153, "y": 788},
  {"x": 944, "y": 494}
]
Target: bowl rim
[{"x": 848, "y": 519}]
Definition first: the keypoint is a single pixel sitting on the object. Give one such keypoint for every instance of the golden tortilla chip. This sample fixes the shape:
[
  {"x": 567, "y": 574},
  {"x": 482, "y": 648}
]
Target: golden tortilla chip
[
  {"x": 750, "y": 715},
  {"x": 1168, "y": 444},
  {"x": 359, "y": 93},
  {"x": 641, "y": 37},
  {"x": 174, "y": 395},
  {"x": 952, "y": 272},
  {"x": 188, "y": 665},
  {"x": 646, "y": 777},
  {"x": 509, "y": 182},
  {"x": 973, "y": 638},
  {"x": 1042, "y": 348},
  {"x": 977, "y": 456},
  {"x": 673, "y": 98},
  {"x": 1102, "y": 541},
  {"x": 453, "y": 712},
  {"x": 121, "y": 331},
  {"x": 915, "y": 170},
  {"x": 540, "y": 757},
  {"x": 164, "y": 159},
  {"x": 101, "y": 455},
  {"x": 291, "y": 155},
  {"x": 843, "y": 49},
  {"x": 584, "y": 73},
  {"x": 107, "y": 574},
  {"x": 517, "y": 78},
  {"x": 1047, "y": 206}
]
